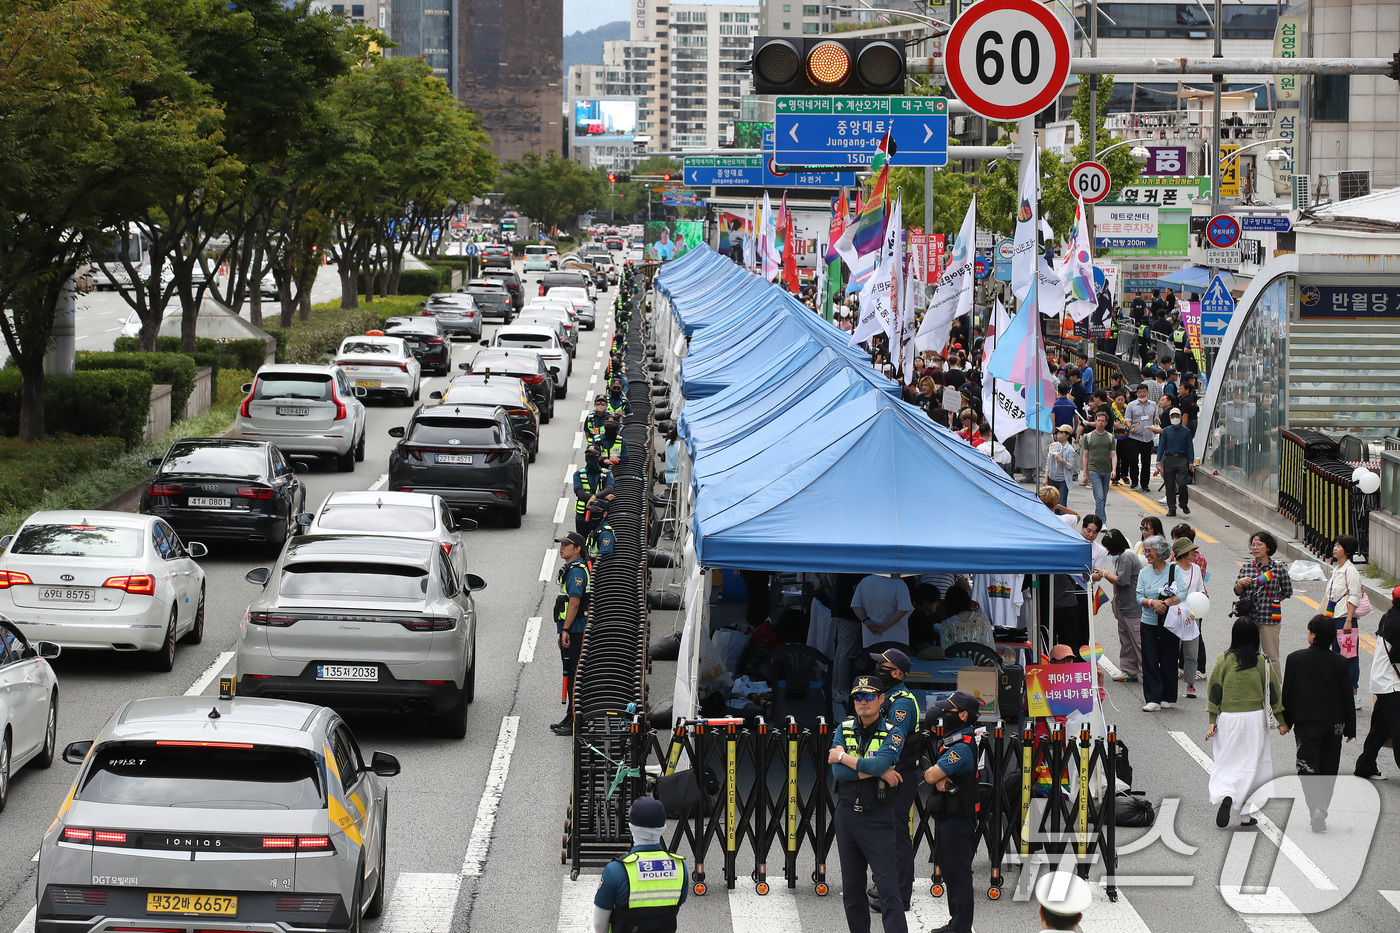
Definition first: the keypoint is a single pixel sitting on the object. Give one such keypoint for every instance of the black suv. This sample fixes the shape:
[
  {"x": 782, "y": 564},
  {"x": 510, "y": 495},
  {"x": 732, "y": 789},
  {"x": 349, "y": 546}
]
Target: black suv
[
  {"x": 467, "y": 454},
  {"x": 527, "y": 366},
  {"x": 427, "y": 341},
  {"x": 512, "y": 283}
]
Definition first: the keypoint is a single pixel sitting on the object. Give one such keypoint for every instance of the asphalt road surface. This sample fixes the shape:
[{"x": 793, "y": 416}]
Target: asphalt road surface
[{"x": 476, "y": 824}]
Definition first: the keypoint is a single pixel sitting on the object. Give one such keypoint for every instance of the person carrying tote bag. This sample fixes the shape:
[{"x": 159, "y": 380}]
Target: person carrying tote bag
[{"x": 1344, "y": 595}]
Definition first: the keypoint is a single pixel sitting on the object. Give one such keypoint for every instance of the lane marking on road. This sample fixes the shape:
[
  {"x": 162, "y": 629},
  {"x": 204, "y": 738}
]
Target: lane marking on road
[
  {"x": 776, "y": 912},
  {"x": 532, "y": 636},
  {"x": 578, "y": 439},
  {"x": 927, "y": 911},
  {"x": 561, "y": 509},
  {"x": 379, "y": 483},
  {"x": 422, "y": 902},
  {"x": 27, "y": 924},
  {"x": 569, "y": 475},
  {"x": 209, "y": 674},
  {"x": 1393, "y": 897},
  {"x": 597, "y": 366},
  {"x": 1112, "y": 917},
  {"x": 575, "y": 904},
  {"x": 1141, "y": 500},
  {"x": 485, "y": 826},
  {"x": 1287, "y": 847},
  {"x": 548, "y": 564},
  {"x": 1270, "y": 910},
  {"x": 583, "y": 416}
]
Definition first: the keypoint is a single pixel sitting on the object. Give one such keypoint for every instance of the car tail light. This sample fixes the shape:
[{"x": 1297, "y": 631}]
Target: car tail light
[
  {"x": 279, "y": 842},
  {"x": 9, "y": 578},
  {"x": 427, "y": 313},
  {"x": 72, "y": 834},
  {"x": 430, "y": 624},
  {"x": 164, "y": 489},
  {"x": 274, "y": 619},
  {"x": 413, "y": 452},
  {"x": 197, "y": 743},
  {"x": 541, "y": 288},
  {"x": 256, "y": 492},
  {"x": 446, "y": 548},
  {"x": 339, "y": 405},
  {"x": 313, "y": 842},
  {"x": 243, "y": 409},
  {"x": 108, "y": 837},
  {"x": 434, "y": 341},
  {"x": 534, "y": 380},
  {"x": 137, "y": 584},
  {"x": 519, "y": 412}
]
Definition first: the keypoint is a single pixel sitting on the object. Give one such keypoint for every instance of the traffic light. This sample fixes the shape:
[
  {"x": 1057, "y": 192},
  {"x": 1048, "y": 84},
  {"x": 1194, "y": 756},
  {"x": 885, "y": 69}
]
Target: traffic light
[
  {"x": 624, "y": 176},
  {"x": 612, "y": 178},
  {"x": 666, "y": 177},
  {"x": 827, "y": 66}
]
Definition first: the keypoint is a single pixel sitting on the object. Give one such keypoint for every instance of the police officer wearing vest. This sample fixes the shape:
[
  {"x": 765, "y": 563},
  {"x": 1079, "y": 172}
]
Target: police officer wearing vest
[
  {"x": 954, "y": 806},
  {"x": 592, "y": 480},
  {"x": 901, "y": 711},
  {"x": 596, "y": 420},
  {"x": 617, "y": 402},
  {"x": 862, "y": 761},
  {"x": 600, "y": 541},
  {"x": 612, "y": 445},
  {"x": 571, "y": 618},
  {"x": 643, "y": 891}
]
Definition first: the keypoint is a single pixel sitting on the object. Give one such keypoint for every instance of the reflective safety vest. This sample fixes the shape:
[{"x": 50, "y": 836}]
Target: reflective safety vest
[
  {"x": 1179, "y": 338},
  {"x": 600, "y": 542},
  {"x": 860, "y": 791},
  {"x": 594, "y": 425},
  {"x": 590, "y": 487},
  {"x": 620, "y": 407},
  {"x": 561, "y": 602},
  {"x": 962, "y": 798},
  {"x": 655, "y": 881},
  {"x": 610, "y": 451},
  {"x": 909, "y": 754}
]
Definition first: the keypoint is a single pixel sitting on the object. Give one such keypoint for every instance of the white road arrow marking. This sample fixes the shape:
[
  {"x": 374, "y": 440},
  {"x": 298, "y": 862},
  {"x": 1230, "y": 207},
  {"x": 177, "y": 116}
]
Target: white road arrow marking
[{"x": 792, "y": 131}]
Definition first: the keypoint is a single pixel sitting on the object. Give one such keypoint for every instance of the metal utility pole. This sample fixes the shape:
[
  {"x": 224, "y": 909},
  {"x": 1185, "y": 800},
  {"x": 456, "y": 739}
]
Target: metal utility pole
[{"x": 1219, "y": 80}]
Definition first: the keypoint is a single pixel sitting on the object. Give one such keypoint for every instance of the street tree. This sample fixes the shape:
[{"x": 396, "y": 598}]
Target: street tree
[{"x": 552, "y": 191}]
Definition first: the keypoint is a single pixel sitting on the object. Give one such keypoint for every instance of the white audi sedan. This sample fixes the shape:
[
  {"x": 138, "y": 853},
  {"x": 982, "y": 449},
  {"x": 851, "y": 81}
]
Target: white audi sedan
[
  {"x": 382, "y": 366},
  {"x": 111, "y": 580},
  {"x": 28, "y": 704}
]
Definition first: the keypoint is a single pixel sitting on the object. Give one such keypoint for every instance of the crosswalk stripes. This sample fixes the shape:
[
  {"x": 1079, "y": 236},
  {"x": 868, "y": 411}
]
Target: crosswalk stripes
[
  {"x": 1269, "y": 911},
  {"x": 422, "y": 902},
  {"x": 1112, "y": 916},
  {"x": 576, "y": 904}
]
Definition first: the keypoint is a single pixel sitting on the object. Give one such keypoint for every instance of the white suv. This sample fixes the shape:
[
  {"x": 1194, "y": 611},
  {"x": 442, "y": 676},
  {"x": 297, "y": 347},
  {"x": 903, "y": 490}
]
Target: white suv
[
  {"x": 544, "y": 339},
  {"x": 305, "y": 410}
]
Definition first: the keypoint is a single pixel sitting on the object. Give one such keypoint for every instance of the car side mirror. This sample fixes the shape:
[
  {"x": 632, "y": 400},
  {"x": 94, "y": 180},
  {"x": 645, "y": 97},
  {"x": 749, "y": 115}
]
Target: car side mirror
[
  {"x": 422, "y": 304},
  {"x": 301, "y": 466},
  {"x": 75, "y": 752},
  {"x": 304, "y": 519},
  {"x": 196, "y": 549},
  {"x": 361, "y": 392},
  {"x": 246, "y": 387},
  {"x": 475, "y": 583},
  {"x": 5, "y": 541},
  {"x": 554, "y": 369},
  {"x": 398, "y": 430},
  {"x": 384, "y": 764},
  {"x": 258, "y": 576},
  {"x": 467, "y": 524},
  {"x": 47, "y": 650},
  {"x": 435, "y": 396},
  {"x": 153, "y": 463},
  {"x": 465, "y": 367}
]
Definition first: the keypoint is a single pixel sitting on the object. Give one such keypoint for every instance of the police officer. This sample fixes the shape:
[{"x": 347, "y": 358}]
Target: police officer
[
  {"x": 954, "y": 806},
  {"x": 617, "y": 404},
  {"x": 643, "y": 891},
  {"x": 862, "y": 761},
  {"x": 612, "y": 446},
  {"x": 1063, "y": 897},
  {"x": 571, "y": 618},
  {"x": 593, "y": 424},
  {"x": 592, "y": 480},
  {"x": 599, "y": 539},
  {"x": 901, "y": 711}
]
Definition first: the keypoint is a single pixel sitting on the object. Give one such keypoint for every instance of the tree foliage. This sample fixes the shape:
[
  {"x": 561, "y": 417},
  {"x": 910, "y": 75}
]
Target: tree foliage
[{"x": 552, "y": 190}]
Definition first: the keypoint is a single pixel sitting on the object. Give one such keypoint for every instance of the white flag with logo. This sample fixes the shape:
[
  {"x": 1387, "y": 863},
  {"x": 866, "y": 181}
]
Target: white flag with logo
[
  {"x": 952, "y": 296},
  {"x": 1051, "y": 297},
  {"x": 1023, "y": 256},
  {"x": 879, "y": 298},
  {"x": 914, "y": 302}
]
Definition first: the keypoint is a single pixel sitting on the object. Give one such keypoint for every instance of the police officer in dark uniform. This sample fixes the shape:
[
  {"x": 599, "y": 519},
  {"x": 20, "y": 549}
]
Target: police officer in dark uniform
[
  {"x": 862, "y": 759},
  {"x": 643, "y": 891},
  {"x": 612, "y": 446},
  {"x": 617, "y": 403},
  {"x": 596, "y": 420},
  {"x": 954, "y": 806},
  {"x": 592, "y": 480},
  {"x": 571, "y": 618},
  {"x": 901, "y": 711},
  {"x": 599, "y": 538}
]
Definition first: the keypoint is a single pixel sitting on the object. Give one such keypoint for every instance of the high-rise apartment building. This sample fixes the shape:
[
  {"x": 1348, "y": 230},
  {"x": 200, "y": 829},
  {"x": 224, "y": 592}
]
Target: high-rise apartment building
[
  {"x": 509, "y": 68},
  {"x": 786, "y": 18},
  {"x": 425, "y": 29}
]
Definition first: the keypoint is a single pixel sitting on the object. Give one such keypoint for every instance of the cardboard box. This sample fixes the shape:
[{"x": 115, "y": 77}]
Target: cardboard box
[{"x": 984, "y": 684}]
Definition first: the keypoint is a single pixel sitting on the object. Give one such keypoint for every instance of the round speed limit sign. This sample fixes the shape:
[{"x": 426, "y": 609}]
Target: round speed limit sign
[
  {"x": 1007, "y": 59},
  {"x": 1089, "y": 180}
]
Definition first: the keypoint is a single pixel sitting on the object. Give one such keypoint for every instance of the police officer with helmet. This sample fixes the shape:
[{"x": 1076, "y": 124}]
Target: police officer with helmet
[
  {"x": 901, "y": 711},
  {"x": 954, "y": 805},
  {"x": 862, "y": 759},
  {"x": 571, "y": 618},
  {"x": 643, "y": 891}
]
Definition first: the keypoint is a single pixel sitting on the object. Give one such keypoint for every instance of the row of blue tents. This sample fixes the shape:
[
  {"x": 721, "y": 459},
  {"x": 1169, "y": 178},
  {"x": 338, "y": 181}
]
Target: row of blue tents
[{"x": 803, "y": 458}]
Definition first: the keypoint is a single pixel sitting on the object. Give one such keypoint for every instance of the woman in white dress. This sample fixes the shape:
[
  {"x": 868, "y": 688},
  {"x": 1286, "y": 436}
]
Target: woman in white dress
[{"x": 1243, "y": 686}]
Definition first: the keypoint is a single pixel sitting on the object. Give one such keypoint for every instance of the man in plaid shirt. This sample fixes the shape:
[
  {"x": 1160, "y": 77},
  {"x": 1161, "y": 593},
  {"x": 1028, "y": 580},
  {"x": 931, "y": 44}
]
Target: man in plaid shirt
[{"x": 1266, "y": 583}]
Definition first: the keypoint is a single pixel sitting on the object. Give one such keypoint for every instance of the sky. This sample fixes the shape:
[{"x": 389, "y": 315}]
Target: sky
[{"x": 582, "y": 15}]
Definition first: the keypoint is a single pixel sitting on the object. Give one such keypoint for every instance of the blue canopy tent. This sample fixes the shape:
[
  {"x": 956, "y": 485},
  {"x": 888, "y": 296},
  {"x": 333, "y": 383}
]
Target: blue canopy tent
[{"x": 744, "y": 365}]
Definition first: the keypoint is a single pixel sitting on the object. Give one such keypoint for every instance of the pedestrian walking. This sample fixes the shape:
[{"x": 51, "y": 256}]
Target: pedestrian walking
[
  {"x": 1061, "y": 460},
  {"x": 1343, "y": 597},
  {"x": 1265, "y": 582},
  {"x": 1126, "y": 610},
  {"x": 1385, "y": 687},
  {"x": 644, "y": 889},
  {"x": 862, "y": 758},
  {"x": 1160, "y": 646},
  {"x": 1243, "y": 690},
  {"x": 1177, "y": 459},
  {"x": 1317, "y": 701},
  {"x": 1063, "y": 897},
  {"x": 954, "y": 806},
  {"x": 1100, "y": 451}
]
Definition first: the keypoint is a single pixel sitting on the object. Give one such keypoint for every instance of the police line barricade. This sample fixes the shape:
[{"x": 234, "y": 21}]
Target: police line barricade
[
  {"x": 746, "y": 798},
  {"x": 1297, "y": 447},
  {"x": 1333, "y": 506}
]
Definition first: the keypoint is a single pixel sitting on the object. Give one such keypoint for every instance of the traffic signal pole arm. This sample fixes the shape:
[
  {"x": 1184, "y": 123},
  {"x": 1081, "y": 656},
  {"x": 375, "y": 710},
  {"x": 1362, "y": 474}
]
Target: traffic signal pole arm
[{"x": 1389, "y": 67}]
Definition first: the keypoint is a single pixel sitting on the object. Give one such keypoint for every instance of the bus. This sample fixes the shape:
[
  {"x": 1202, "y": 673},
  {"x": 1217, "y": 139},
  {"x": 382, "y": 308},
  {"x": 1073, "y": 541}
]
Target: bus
[{"x": 106, "y": 269}]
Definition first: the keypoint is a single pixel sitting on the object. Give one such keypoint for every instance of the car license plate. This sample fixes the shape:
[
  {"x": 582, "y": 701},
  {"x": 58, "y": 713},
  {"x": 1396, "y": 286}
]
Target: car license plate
[
  {"x": 347, "y": 672},
  {"x": 68, "y": 594},
  {"x": 368, "y": 383},
  {"x": 209, "y": 502},
  {"x": 297, "y": 411},
  {"x": 454, "y": 458},
  {"x": 213, "y": 904}
]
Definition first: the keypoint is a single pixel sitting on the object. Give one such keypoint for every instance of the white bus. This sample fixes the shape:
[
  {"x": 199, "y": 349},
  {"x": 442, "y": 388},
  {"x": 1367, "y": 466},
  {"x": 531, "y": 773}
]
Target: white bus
[{"x": 106, "y": 269}]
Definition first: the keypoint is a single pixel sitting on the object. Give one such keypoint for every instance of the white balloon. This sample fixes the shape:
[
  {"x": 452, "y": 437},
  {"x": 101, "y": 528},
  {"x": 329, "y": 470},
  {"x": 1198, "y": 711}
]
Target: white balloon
[
  {"x": 1369, "y": 483},
  {"x": 1199, "y": 604},
  {"x": 1357, "y": 473}
]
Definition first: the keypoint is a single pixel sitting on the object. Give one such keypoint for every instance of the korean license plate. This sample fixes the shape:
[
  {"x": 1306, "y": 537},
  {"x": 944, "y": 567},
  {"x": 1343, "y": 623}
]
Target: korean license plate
[
  {"x": 347, "y": 672},
  {"x": 209, "y": 502},
  {"x": 368, "y": 383},
  {"x": 454, "y": 458},
  {"x": 68, "y": 594},
  {"x": 297, "y": 411},
  {"x": 212, "y": 904}
]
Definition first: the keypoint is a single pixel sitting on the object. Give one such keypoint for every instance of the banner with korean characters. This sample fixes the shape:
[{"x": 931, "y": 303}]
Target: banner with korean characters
[
  {"x": 1060, "y": 689},
  {"x": 1165, "y": 160},
  {"x": 1140, "y": 275},
  {"x": 1124, "y": 226},
  {"x": 1357, "y": 301}
]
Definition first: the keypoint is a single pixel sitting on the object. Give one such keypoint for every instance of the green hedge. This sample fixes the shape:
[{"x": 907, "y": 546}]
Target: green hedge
[
  {"x": 247, "y": 353},
  {"x": 416, "y": 281},
  {"x": 28, "y": 470},
  {"x": 173, "y": 369},
  {"x": 228, "y": 388},
  {"x": 95, "y": 403},
  {"x": 314, "y": 340}
]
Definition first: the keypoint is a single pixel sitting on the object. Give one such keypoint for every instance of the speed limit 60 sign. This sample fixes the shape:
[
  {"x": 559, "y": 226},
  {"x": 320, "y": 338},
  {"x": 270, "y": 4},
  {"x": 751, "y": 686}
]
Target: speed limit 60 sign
[
  {"x": 1089, "y": 181},
  {"x": 1007, "y": 59}
]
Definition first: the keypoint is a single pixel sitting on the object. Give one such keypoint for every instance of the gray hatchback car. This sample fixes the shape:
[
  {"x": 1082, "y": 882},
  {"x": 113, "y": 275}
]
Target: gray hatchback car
[{"x": 200, "y": 814}]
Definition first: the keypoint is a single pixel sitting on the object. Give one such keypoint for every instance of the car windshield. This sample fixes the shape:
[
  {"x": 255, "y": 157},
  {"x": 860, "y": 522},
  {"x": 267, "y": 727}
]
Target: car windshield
[
  {"x": 78, "y": 541},
  {"x": 485, "y": 289},
  {"x": 313, "y": 386},
  {"x": 528, "y": 341},
  {"x": 353, "y": 581},
  {"x": 205, "y": 775},
  {"x": 468, "y": 431},
  {"x": 366, "y": 516},
  {"x": 366, "y": 348},
  {"x": 248, "y": 462}
]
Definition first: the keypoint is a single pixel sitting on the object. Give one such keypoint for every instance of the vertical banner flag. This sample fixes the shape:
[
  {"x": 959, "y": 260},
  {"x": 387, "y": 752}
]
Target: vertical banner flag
[
  {"x": 952, "y": 297},
  {"x": 860, "y": 242},
  {"x": 1020, "y": 358},
  {"x": 877, "y": 298},
  {"x": 831, "y": 261},
  {"x": 789, "y": 250},
  {"x": 933, "y": 267},
  {"x": 750, "y": 240},
  {"x": 915, "y": 298},
  {"x": 1023, "y": 256},
  {"x": 771, "y": 255},
  {"x": 1003, "y": 402},
  {"x": 1079, "y": 268}
]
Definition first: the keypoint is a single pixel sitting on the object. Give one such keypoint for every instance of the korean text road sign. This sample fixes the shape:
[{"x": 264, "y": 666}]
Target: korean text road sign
[
  {"x": 846, "y": 131},
  {"x": 781, "y": 176},
  {"x": 1223, "y": 231},
  {"x": 745, "y": 171},
  {"x": 1007, "y": 59},
  {"x": 1217, "y": 307},
  {"x": 1090, "y": 181}
]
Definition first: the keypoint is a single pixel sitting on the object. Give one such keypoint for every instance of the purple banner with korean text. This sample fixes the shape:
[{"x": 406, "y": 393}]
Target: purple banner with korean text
[{"x": 1165, "y": 160}]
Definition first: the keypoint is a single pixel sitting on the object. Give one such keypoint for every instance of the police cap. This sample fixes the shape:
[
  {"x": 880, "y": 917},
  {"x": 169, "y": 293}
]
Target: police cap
[
  {"x": 959, "y": 700},
  {"x": 866, "y": 684},
  {"x": 1063, "y": 893}
]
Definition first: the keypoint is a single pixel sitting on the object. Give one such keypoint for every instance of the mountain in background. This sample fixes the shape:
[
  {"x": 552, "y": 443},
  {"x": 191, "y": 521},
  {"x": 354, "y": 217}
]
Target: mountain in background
[{"x": 586, "y": 48}]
